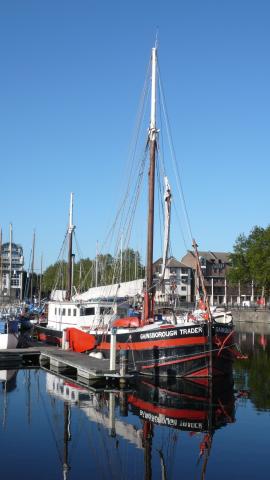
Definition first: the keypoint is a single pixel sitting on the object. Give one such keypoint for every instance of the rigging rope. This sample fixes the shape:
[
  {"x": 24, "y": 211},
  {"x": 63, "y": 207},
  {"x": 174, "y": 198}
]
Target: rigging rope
[{"x": 175, "y": 165}]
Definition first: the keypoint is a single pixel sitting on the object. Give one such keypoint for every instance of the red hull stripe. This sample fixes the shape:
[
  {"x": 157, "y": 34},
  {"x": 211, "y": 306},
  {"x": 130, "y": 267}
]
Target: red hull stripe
[
  {"x": 181, "y": 360},
  {"x": 170, "y": 412},
  {"x": 175, "y": 394},
  {"x": 175, "y": 342},
  {"x": 205, "y": 373}
]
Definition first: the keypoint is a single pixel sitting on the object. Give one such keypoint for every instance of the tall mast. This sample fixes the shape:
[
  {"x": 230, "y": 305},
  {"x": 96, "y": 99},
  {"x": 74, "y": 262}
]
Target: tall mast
[
  {"x": 121, "y": 258},
  {"x": 148, "y": 311},
  {"x": 40, "y": 280},
  {"x": 201, "y": 277},
  {"x": 10, "y": 258},
  {"x": 67, "y": 438},
  {"x": 1, "y": 267},
  {"x": 32, "y": 266},
  {"x": 96, "y": 271},
  {"x": 71, "y": 229}
]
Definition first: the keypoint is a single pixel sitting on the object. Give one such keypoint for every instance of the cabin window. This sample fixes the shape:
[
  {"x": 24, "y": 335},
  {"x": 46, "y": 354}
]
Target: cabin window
[
  {"x": 55, "y": 311},
  {"x": 64, "y": 311},
  {"x": 87, "y": 311},
  {"x": 74, "y": 313},
  {"x": 69, "y": 312},
  {"x": 59, "y": 311},
  {"x": 105, "y": 310}
]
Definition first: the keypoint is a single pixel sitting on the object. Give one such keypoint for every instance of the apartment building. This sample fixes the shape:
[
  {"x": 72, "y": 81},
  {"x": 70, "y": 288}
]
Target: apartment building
[
  {"x": 11, "y": 271},
  {"x": 177, "y": 280}
]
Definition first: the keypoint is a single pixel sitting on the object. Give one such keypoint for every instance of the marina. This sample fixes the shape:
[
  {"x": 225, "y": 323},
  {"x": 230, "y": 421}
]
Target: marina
[
  {"x": 145, "y": 430},
  {"x": 134, "y": 240}
]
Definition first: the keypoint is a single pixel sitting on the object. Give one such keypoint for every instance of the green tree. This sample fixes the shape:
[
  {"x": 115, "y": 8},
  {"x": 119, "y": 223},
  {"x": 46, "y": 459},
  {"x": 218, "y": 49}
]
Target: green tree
[
  {"x": 251, "y": 258},
  {"x": 84, "y": 273},
  {"x": 54, "y": 276}
]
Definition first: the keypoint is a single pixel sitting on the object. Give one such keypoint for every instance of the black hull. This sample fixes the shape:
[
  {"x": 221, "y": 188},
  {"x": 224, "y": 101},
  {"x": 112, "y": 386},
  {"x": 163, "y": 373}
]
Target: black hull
[
  {"x": 172, "y": 351},
  {"x": 184, "y": 406},
  {"x": 181, "y": 355}
]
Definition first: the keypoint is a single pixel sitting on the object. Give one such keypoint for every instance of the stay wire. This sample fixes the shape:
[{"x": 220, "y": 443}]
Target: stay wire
[
  {"x": 175, "y": 166},
  {"x": 132, "y": 153}
]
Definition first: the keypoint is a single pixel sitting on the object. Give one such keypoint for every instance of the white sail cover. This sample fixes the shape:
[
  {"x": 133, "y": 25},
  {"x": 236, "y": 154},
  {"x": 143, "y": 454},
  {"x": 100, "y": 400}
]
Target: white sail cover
[
  {"x": 167, "y": 201},
  {"x": 117, "y": 290},
  {"x": 58, "y": 295}
]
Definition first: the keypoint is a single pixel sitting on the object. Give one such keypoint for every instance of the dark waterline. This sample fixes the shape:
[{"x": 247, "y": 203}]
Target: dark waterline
[{"x": 54, "y": 430}]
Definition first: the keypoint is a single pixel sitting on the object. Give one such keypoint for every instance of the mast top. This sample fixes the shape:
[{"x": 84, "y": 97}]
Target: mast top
[
  {"x": 152, "y": 129},
  {"x": 71, "y": 227}
]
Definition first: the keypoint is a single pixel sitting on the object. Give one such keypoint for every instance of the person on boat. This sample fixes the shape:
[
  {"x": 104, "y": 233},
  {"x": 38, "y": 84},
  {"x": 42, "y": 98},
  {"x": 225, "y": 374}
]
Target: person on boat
[{"x": 134, "y": 311}]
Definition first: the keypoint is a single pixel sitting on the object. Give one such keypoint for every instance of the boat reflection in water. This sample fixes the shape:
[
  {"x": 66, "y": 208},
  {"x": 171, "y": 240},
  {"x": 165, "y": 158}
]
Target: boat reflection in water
[
  {"x": 8, "y": 384},
  {"x": 8, "y": 379},
  {"x": 139, "y": 414}
]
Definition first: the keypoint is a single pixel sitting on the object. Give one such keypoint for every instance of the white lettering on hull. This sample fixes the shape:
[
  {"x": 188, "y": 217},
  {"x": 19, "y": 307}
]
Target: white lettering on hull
[{"x": 171, "y": 333}]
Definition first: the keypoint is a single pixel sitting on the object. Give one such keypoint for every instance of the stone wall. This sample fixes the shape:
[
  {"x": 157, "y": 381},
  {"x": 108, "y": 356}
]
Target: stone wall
[{"x": 251, "y": 315}]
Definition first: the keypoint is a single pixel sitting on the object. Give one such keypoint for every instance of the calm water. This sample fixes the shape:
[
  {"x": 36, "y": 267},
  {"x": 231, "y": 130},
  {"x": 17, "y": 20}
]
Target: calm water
[{"x": 51, "y": 429}]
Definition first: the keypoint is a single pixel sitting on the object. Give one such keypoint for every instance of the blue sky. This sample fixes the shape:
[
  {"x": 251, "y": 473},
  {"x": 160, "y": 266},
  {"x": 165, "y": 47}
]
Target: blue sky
[{"x": 72, "y": 73}]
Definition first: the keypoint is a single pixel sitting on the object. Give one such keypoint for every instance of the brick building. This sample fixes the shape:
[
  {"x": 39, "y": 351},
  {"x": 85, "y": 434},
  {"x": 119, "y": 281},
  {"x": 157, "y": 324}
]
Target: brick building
[{"x": 215, "y": 266}]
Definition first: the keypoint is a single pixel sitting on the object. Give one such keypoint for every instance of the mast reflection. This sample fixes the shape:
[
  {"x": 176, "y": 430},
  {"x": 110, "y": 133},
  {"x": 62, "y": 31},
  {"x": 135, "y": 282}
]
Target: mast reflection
[{"x": 174, "y": 407}]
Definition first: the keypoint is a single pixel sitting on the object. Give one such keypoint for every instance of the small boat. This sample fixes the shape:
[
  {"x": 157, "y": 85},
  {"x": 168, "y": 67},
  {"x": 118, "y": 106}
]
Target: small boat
[
  {"x": 9, "y": 332},
  {"x": 65, "y": 311}
]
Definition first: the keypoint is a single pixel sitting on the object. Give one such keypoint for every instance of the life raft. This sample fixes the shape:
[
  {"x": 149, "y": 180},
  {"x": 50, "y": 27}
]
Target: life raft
[
  {"x": 126, "y": 322},
  {"x": 80, "y": 341}
]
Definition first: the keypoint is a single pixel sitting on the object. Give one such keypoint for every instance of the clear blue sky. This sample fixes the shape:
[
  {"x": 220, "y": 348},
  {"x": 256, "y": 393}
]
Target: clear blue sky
[{"x": 71, "y": 77}]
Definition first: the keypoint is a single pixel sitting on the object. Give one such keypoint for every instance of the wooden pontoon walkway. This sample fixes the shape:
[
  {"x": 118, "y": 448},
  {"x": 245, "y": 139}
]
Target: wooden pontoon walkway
[
  {"x": 82, "y": 365},
  {"x": 78, "y": 366}
]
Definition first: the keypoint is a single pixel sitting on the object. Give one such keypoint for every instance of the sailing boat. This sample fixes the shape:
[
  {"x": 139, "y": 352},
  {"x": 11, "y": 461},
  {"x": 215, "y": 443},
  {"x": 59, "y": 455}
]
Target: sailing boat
[
  {"x": 66, "y": 311},
  {"x": 197, "y": 348},
  {"x": 158, "y": 348}
]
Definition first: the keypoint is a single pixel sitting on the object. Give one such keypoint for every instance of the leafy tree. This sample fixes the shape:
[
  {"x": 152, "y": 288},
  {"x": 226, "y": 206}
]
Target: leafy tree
[
  {"x": 54, "y": 276},
  {"x": 132, "y": 267},
  {"x": 240, "y": 268},
  {"x": 251, "y": 258},
  {"x": 84, "y": 273}
]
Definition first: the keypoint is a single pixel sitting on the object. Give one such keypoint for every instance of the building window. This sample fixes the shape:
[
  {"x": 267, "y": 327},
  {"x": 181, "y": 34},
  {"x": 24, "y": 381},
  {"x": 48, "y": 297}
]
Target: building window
[
  {"x": 183, "y": 288},
  {"x": 202, "y": 261}
]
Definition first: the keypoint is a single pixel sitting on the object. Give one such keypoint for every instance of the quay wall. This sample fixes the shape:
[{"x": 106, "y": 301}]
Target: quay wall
[
  {"x": 260, "y": 328},
  {"x": 251, "y": 315}
]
